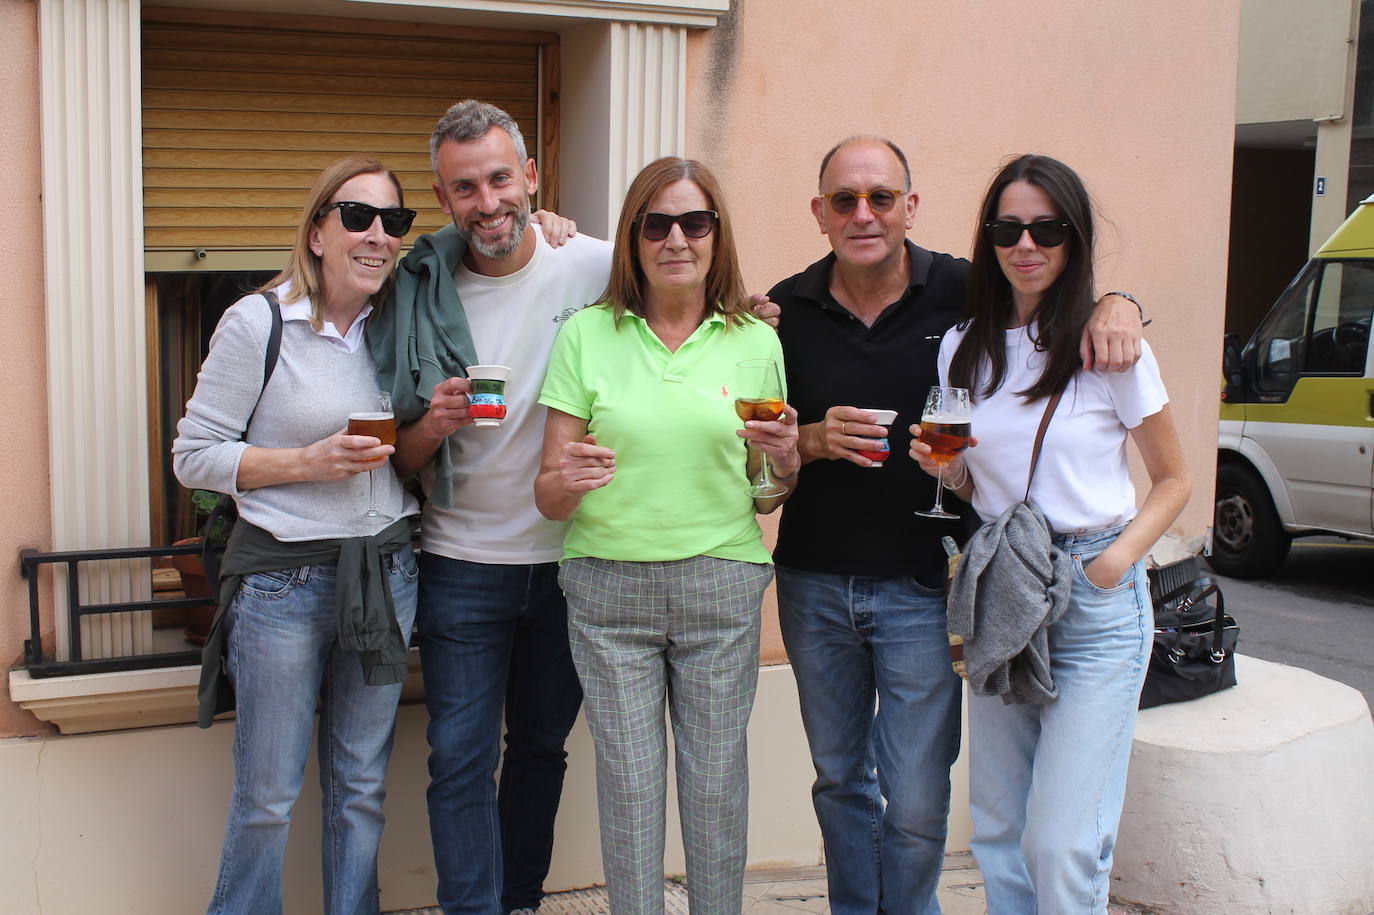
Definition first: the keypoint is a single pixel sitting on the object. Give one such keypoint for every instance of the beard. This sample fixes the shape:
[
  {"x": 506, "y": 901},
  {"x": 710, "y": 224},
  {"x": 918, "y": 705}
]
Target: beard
[{"x": 497, "y": 249}]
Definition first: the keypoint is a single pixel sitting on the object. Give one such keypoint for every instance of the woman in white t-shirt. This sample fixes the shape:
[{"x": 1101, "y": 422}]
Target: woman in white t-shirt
[{"x": 1047, "y": 781}]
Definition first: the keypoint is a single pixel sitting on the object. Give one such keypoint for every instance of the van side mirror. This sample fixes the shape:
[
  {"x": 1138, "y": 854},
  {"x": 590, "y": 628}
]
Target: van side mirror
[
  {"x": 1230, "y": 359},
  {"x": 1232, "y": 370}
]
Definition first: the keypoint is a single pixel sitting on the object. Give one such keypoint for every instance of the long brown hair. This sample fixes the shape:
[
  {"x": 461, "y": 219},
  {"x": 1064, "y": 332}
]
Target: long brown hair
[
  {"x": 302, "y": 268},
  {"x": 1064, "y": 309},
  {"x": 725, "y": 293}
]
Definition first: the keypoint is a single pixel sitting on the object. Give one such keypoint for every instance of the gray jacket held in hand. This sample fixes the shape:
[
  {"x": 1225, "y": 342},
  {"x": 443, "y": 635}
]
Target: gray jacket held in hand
[{"x": 1012, "y": 583}]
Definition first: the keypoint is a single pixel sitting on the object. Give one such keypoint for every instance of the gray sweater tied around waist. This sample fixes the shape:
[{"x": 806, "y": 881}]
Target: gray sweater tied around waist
[{"x": 1012, "y": 583}]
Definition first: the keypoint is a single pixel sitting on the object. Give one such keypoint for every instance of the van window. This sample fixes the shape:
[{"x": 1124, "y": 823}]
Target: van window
[
  {"x": 1340, "y": 327},
  {"x": 1281, "y": 341}
]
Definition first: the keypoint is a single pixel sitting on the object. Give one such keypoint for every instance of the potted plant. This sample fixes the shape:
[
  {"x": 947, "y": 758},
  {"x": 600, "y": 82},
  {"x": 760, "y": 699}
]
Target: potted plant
[{"x": 194, "y": 582}]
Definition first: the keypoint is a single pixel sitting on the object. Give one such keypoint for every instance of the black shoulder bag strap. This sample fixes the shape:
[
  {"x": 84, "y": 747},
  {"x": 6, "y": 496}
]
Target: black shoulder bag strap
[
  {"x": 1192, "y": 594},
  {"x": 269, "y": 361},
  {"x": 225, "y": 511},
  {"x": 1040, "y": 440}
]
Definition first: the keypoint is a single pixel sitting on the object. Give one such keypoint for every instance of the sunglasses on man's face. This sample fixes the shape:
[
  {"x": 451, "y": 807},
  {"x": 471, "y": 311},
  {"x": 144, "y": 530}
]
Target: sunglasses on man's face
[
  {"x": 880, "y": 200},
  {"x": 694, "y": 223},
  {"x": 1047, "y": 233},
  {"x": 357, "y": 217}
]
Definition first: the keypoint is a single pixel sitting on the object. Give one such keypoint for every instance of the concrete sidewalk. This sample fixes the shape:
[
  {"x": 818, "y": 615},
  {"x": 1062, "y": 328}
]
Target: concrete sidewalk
[{"x": 790, "y": 890}]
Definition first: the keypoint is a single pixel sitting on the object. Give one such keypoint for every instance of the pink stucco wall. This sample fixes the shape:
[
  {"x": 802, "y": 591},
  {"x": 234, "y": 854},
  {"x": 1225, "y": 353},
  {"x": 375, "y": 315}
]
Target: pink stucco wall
[
  {"x": 24, "y": 471},
  {"x": 1140, "y": 99}
]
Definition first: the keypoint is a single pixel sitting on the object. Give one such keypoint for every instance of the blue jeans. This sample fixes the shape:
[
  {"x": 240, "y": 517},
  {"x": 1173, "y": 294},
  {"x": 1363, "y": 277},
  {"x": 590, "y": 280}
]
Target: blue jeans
[
  {"x": 282, "y": 630},
  {"x": 1047, "y": 782},
  {"x": 494, "y": 637},
  {"x": 852, "y": 640}
]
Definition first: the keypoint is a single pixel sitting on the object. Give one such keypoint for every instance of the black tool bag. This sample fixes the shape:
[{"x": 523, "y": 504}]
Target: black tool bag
[{"x": 1194, "y": 651}]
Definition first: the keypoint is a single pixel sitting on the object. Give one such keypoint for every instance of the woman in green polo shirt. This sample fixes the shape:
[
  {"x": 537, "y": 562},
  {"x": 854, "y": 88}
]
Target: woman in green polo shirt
[{"x": 664, "y": 565}]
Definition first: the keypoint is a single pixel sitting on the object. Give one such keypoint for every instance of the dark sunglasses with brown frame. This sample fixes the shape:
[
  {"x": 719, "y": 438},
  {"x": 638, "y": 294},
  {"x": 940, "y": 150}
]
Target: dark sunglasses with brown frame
[{"x": 694, "y": 223}]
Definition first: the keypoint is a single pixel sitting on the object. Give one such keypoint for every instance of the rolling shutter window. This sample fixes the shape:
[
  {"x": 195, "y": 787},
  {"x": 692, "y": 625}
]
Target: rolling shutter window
[{"x": 239, "y": 118}]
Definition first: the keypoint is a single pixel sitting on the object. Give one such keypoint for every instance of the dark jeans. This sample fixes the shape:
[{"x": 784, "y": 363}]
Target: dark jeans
[{"x": 494, "y": 637}]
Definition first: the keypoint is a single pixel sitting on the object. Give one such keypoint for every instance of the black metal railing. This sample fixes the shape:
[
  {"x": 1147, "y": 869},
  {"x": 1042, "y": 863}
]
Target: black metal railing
[{"x": 40, "y": 666}]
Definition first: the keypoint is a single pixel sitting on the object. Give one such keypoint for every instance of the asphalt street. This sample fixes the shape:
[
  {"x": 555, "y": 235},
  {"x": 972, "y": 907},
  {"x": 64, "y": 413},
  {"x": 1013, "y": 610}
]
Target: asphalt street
[{"x": 1316, "y": 612}]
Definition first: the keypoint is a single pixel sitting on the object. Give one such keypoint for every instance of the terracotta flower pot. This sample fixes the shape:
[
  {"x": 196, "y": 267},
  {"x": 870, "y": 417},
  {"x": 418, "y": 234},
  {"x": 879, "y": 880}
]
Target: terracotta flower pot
[{"x": 194, "y": 583}]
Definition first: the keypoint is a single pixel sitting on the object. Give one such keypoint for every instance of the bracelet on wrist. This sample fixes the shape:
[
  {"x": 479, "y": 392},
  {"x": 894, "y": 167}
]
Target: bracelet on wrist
[
  {"x": 953, "y": 485},
  {"x": 1132, "y": 299}
]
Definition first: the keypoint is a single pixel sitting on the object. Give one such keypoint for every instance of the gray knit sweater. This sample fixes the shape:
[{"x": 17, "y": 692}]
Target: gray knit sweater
[
  {"x": 1012, "y": 583},
  {"x": 314, "y": 387}
]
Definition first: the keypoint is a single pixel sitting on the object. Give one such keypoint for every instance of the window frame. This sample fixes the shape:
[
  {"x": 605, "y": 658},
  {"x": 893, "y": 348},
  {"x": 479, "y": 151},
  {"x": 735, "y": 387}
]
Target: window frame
[{"x": 96, "y": 291}]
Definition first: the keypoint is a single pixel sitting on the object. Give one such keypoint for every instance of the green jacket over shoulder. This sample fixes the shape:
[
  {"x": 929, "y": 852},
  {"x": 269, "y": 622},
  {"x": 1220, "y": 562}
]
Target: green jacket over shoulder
[{"x": 421, "y": 337}]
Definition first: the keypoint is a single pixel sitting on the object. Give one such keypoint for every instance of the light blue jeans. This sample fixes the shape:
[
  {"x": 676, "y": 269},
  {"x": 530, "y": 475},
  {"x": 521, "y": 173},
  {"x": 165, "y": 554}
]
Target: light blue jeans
[
  {"x": 882, "y": 780},
  {"x": 282, "y": 657},
  {"x": 1047, "y": 782}
]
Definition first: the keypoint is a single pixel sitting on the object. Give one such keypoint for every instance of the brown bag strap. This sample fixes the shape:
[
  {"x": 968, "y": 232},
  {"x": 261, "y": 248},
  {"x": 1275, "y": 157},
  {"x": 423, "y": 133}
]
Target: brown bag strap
[{"x": 1040, "y": 440}]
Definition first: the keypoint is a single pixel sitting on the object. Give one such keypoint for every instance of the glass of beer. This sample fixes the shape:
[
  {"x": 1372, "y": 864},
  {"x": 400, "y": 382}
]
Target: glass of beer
[
  {"x": 378, "y": 421},
  {"x": 758, "y": 395},
  {"x": 945, "y": 428}
]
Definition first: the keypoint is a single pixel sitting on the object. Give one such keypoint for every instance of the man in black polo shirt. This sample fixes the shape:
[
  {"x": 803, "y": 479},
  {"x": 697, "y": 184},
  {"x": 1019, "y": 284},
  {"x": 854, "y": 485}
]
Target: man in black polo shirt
[{"x": 860, "y": 577}]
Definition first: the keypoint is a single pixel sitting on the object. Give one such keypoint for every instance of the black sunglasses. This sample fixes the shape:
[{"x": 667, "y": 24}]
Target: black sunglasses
[
  {"x": 880, "y": 200},
  {"x": 1047, "y": 233},
  {"x": 695, "y": 224},
  {"x": 357, "y": 217}
]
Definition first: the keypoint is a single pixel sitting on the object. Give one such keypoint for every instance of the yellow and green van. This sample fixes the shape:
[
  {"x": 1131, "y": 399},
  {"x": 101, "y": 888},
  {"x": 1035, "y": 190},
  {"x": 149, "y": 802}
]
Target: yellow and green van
[{"x": 1296, "y": 443}]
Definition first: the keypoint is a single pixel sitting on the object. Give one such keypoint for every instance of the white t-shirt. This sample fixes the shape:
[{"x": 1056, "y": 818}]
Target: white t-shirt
[
  {"x": 1082, "y": 483},
  {"x": 514, "y": 321}
]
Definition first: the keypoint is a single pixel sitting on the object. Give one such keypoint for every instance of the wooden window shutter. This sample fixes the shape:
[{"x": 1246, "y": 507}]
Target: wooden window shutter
[{"x": 242, "y": 111}]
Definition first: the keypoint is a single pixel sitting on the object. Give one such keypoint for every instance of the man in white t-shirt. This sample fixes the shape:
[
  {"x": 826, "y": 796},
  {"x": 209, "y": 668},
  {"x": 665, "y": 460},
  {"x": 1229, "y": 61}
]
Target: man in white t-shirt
[{"x": 492, "y": 622}]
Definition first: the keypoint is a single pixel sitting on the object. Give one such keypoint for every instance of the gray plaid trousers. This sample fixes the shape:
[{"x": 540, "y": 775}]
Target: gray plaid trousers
[{"x": 686, "y": 631}]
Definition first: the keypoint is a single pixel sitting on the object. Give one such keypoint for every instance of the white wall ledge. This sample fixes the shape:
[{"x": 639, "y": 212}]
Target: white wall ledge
[
  {"x": 86, "y": 703},
  {"x": 700, "y": 14}
]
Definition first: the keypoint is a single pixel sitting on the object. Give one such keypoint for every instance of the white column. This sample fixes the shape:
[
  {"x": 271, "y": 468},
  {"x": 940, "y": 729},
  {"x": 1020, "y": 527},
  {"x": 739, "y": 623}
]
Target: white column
[
  {"x": 93, "y": 241},
  {"x": 1332, "y": 162},
  {"x": 624, "y": 105},
  {"x": 648, "y": 100}
]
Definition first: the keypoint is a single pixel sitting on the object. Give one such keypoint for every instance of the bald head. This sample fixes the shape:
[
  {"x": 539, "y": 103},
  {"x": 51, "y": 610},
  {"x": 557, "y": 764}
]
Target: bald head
[{"x": 867, "y": 140}]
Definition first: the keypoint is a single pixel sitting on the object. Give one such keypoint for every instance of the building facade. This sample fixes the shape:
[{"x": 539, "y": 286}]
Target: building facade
[
  {"x": 153, "y": 154},
  {"x": 1304, "y": 141}
]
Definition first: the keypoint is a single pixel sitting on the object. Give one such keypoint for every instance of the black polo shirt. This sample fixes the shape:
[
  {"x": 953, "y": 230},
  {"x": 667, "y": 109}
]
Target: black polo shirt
[{"x": 845, "y": 519}]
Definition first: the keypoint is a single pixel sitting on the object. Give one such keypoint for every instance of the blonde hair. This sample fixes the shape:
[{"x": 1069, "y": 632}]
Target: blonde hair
[
  {"x": 302, "y": 270},
  {"x": 725, "y": 293}
]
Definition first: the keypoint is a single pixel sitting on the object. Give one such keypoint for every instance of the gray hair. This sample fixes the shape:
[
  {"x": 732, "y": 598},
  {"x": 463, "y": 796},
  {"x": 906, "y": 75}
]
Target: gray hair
[
  {"x": 866, "y": 138},
  {"x": 471, "y": 120}
]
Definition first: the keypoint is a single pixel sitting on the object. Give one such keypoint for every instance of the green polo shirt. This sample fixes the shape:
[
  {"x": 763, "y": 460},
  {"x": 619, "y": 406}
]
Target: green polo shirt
[{"x": 680, "y": 480}]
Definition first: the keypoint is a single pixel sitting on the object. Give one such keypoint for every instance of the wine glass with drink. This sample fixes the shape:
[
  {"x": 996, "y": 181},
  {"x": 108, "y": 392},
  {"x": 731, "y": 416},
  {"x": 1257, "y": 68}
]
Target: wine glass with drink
[
  {"x": 378, "y": 421},
  {"x": 758, "y": 395},
  {"x": 945, "y": 428}
]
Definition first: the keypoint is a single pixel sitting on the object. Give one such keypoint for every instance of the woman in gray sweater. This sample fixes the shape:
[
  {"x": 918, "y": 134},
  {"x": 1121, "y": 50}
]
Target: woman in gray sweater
[{"x": 317, "y": 603}]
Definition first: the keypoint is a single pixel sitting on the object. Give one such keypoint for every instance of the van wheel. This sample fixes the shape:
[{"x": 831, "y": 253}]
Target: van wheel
[{"x": 1247, "y": 539}]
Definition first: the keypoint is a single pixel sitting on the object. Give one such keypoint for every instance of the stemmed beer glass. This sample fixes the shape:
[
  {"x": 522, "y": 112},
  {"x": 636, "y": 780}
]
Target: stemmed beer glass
[
  {"x": 945, "y": 427},
  {"x": 758, "y": 395},
  {"x": 377, "y": 420}
]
